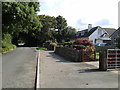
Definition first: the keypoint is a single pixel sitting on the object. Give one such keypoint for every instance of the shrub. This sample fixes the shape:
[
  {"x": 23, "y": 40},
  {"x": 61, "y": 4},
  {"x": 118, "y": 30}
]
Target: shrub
[
  {"x": 91, "y": 53},
  {"x": 59, "y": 45},
  {"x": 83, "y": 41},
  {"x": 68, "y": 44},
  {"x": 53, "y": 44},
  {"x": 78, "y": 47},
  {"x": 90, "y": 48},
  {"x": 47, "y": 43}
]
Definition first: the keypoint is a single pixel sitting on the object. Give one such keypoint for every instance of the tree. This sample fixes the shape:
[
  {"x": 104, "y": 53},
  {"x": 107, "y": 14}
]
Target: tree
[
  {"x": 118, "y": 41},
  {"x": 48, "y": 30},
  {"x": 61, "y": 25},
  {"x": 20, "y": 17},
  {"x": 68, "y": 33}
]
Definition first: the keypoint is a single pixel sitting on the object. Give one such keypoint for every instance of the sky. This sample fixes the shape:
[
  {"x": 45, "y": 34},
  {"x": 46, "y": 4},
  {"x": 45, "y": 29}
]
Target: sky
[{"x": 80, "y": 13}]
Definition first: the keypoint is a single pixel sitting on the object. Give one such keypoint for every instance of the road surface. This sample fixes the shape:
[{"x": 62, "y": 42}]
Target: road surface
[
  {"x": 18, "y": 68},
  {"x": 56, "y": 72}
]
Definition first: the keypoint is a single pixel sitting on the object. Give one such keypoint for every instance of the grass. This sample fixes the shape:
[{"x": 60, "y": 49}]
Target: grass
[
  {"x": 97, "y": 55},
  {"x": 41, "y": 48}
]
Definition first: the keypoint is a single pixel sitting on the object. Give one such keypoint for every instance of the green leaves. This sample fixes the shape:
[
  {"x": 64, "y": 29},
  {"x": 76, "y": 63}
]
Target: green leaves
[{"x": 20, "y": 17}]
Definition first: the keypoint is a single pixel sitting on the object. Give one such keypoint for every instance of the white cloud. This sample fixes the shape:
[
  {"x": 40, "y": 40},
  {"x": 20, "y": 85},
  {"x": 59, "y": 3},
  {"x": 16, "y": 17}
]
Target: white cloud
[{"x": 88, "y": 11}]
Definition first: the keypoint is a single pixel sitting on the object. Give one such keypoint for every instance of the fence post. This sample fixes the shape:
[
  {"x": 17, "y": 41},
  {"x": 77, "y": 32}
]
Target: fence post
[{"x": 103, "y": 61}]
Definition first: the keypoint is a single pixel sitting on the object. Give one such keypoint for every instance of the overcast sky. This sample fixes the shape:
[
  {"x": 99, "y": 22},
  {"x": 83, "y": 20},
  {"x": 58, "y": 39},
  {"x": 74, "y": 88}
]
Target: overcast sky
[{"x": 80, "y": 13}]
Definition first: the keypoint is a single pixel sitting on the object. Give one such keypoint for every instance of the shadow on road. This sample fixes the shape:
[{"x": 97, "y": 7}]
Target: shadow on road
[{"x": 58, "y": 58}]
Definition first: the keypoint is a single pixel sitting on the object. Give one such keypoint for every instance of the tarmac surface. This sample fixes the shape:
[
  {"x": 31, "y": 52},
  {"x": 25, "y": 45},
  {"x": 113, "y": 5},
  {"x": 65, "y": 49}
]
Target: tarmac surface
[
  {"x": 56, "y": 72},
  {"x": 19, "y": 68}
]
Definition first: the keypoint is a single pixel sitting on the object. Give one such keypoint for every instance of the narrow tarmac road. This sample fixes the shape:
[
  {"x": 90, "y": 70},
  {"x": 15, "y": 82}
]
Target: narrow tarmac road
[
  {"x": 18, "y": 68},
  {"x": 56, "y": 72}
]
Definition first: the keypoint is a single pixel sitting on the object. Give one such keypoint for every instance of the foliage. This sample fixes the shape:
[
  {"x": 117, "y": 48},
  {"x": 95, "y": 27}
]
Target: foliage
[
  {"x": 53, "y": 44},
  {"x": 83, "y": 41},
  {"x": 97, "y": 55},
  {"x": 79, "y": 47},
  {"x": 48, "y": 30},
  {"x": 41, "y": 48},
  {"x": 68, "y": 33},
  {"x": 67, "y": 43},
  {"x": 61, "y": 25},
  {"x": 20, "y": 17},
  {"x": 118, "y": 42},
  {"x": 90, "y": 48}
]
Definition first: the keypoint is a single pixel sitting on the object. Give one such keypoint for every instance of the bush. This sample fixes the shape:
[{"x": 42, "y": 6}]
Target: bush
[
  {"x": 59, "y": 45},
  {"x": 90, "y": 48},
  {"x": 7, "y": 46},
  {"x": 78, "y": 47},
  {"x": 50, "y": 45},
  {"x": 53, "y": 44},
  {"x": 83, "y": 41},
  {"x": 47, "y": 43},
  {"x": 68, "y": 44}
]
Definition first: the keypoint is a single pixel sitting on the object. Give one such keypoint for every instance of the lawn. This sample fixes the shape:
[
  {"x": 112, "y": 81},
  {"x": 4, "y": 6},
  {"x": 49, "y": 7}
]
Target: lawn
[
  {"x": 97, "y": 55},
  {"x": 41, "y": 48}
]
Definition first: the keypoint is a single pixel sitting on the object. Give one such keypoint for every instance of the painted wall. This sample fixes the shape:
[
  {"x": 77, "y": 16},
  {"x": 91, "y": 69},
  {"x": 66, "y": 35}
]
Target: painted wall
[{"x": 96, "y": 34}]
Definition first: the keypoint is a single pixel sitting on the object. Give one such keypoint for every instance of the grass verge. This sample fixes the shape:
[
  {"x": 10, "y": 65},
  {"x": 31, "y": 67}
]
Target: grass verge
[
  {"x": 97, "y": 55},
  {"x": 41, "y": 48}
]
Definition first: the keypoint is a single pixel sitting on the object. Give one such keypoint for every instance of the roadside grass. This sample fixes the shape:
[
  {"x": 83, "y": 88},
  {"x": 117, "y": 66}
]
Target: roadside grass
[
  {"x": 41, "y": 48},
  {"x": 97, "y": 55}
]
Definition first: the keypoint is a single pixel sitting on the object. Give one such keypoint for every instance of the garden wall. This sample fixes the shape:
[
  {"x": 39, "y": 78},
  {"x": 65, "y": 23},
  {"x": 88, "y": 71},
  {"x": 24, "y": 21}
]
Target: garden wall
[{"x": 68, "y": 53}]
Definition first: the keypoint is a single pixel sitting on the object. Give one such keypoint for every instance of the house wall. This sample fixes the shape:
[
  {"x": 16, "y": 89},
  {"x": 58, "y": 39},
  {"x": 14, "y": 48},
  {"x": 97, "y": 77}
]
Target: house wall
[
  {"x": 99, "y": 41},
  {"x": 96, "y": 34}
]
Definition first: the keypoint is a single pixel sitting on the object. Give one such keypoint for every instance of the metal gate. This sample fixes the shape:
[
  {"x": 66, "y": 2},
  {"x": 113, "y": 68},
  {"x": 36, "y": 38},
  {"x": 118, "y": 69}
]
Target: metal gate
[{"x": 113, "y": 58}]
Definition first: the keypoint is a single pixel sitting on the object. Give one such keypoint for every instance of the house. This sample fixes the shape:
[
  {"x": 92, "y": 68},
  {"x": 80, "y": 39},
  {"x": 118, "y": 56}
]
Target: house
[
  {"x": 96, "y": 34},
  {"x": 115, "y": 35}
]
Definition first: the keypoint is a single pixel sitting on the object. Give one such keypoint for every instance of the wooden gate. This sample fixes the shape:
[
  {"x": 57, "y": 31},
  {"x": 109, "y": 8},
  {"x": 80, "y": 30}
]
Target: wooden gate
[
  {"x": 88, "y": 55},
  {"x": 113, "y": 58}
]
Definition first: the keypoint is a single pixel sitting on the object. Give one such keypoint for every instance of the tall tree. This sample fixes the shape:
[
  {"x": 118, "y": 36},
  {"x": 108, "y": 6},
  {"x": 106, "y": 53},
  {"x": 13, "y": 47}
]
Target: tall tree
[
  {"x": 61, "y": 25},
  {"x": 48, "y": 30},
  {"x": 68, "y": 33},
  {"x": 20, "y": 17}
]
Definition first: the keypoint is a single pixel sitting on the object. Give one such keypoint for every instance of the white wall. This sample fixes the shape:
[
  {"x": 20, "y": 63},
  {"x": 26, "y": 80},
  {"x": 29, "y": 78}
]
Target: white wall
[
  {"x": 99, "y": 41},
  {"x": 96, "y": 34}
]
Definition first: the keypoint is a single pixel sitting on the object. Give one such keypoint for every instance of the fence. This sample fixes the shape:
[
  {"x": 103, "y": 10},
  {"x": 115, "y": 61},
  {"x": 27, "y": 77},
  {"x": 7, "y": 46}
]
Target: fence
[{"x": 113, "y": 58}]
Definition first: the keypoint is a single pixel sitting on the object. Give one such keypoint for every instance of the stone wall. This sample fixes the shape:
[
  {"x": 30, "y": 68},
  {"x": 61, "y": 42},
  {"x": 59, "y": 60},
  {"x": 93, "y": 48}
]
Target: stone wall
[{"x": 68, "y": 53}]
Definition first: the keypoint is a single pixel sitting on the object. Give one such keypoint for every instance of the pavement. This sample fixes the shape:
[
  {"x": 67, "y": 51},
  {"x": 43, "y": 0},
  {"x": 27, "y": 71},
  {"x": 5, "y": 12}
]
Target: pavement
[
  {"x": 19, "y": 68},
  {"x": 56, "y": 72}
]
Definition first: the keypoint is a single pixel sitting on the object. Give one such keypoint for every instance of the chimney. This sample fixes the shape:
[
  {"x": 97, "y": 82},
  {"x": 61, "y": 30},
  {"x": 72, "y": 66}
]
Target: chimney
[{"x": 89, "y": 27}]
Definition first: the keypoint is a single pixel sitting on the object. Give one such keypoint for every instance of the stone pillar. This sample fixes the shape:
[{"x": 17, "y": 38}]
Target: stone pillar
[{"x": 103, "y": 61}]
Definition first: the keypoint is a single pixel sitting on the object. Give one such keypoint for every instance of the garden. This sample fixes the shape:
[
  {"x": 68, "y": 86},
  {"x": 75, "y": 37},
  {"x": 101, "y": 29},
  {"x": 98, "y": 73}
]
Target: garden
[{"x": 76, "y": 50}]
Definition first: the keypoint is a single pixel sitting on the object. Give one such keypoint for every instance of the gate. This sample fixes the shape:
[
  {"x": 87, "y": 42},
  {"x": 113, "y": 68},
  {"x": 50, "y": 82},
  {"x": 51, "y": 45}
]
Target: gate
[
  {"x": 88, "y": 55},
  {"x": 113, "y": 58}
]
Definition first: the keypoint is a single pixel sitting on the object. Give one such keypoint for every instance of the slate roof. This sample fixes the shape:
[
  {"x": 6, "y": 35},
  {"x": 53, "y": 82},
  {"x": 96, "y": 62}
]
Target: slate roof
[
  {"x": 116, "y": 32},
  {"x": 110, "y": 31},
  {"x": 90, "y": 32}
]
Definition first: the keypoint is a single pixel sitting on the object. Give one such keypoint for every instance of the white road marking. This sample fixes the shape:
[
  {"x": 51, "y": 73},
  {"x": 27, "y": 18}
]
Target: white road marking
[{"x": 37, "y": 83}]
